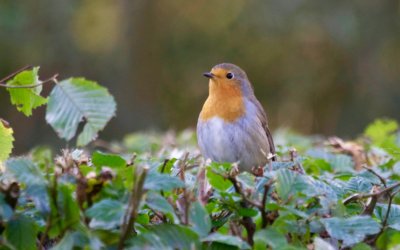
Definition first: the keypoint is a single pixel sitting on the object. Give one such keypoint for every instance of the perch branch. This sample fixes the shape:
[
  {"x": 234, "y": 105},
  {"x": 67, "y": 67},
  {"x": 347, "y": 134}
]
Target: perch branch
[{"x": 365, "y": 196}]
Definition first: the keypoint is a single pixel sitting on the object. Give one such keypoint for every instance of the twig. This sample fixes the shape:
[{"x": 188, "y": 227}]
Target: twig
[
  {"x": 134, "y": 201},
  {"x": 264, "y": 219},
  {"x": 376, "y": 174},
  {"x": 384, "y": 222},
  {"x": 51, "y": 79},
  {"x": 185, "y": 197},
  {"x": 247, "y": 222},
  {"x": 365, "y": 196},
  {"x": 15, "y": 73},
  {"x": 240, "y": 192},
  {"x": 371, "y": 202}
]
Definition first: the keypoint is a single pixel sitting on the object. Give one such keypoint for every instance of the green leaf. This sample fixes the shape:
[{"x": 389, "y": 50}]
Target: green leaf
[
  {"x": 227, "y": 240},
  {"x": 25, "y": 171},
  {"x": 217, "y": 181},
  {"x": 361, "y": 246},
  {"x": 200, "y": 219},
  {"x": 351, "y": 230},
  {"x": 359, "y": 184},
  {"x": 67, "y": 210},
  {"x": 165, "y": 236},
  {"x": 249, "y": 212},
  {"x": 80, "y": 240},
  {"x": 270, "y": 237},
  {"x": 100, "y": 159},
  {"x": 388, "y": 239},
  {"x": 142, "y": 218},
  {"x": 28, "y": 173},
  {"x": 42, "y": 155},
  {"x": 26, "y": 99},
  {"x": 289, "y": 183},
  {"x": 393, "y": 220},
  {"x": 6, "y": 211},
  {"x": 382, "y": 134},
  {"x": 158, "y": 203},
  {"x": 6, "y": 139},
  {"x": 157, "y": 182},
  {"x": 21, "y": 233},
  {"x": 75, "y": 100},
  {"x": 106, "y": 214}
]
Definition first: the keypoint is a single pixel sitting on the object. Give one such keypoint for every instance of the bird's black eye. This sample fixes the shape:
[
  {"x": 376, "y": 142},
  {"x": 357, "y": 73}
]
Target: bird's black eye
[{"x": 229, "y": 75}]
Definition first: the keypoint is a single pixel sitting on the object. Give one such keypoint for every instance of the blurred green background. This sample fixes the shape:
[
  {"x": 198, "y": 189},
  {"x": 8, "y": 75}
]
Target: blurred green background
[{"x": 327, "y": 67}]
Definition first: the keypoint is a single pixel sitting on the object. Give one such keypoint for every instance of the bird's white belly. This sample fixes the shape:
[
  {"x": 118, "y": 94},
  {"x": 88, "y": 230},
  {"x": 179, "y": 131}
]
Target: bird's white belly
[{"x": 242, "y": 141}]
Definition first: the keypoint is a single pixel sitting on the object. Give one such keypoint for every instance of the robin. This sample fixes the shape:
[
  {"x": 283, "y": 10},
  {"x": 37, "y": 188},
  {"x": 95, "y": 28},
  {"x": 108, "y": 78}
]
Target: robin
[{"x": 232, "y": 125}]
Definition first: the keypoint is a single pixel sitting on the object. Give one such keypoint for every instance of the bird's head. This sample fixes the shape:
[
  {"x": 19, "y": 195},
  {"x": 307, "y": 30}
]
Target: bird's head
[{"x": 228, "y": 76}]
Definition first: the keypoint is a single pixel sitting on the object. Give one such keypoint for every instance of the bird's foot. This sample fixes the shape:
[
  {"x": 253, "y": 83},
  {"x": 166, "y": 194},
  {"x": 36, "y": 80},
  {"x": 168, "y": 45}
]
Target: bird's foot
[{"x": 258, "y": 171}]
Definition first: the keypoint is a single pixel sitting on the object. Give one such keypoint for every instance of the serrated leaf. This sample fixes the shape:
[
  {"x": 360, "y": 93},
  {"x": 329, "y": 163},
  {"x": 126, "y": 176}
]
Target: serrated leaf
[
  {"x": 26, "y": 99},
  {"x": 289, "y": 183},
  {"x": 6, "y": 139},
  {"x": 21, "y": 233},
  {"x": 74, "y": 100},
  {"x": 351, "y": 230},
  {"x": 359, "y": 184},
  {"x": 165, "y": 236},
  {"x": 106, "y": 214},
  {"x": 393, "y": 220},
  {"x": 270, "y": 237},
  {"x": 157, "y": 182},
  {"x": 100, "y": 159},
  {"x": 227, "y": 240},
  {"x": 200, "y": 219}
]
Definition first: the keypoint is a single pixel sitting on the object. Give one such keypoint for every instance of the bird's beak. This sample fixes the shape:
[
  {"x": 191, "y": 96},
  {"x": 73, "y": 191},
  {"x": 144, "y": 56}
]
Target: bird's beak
[{"x": 209, "y": 75}]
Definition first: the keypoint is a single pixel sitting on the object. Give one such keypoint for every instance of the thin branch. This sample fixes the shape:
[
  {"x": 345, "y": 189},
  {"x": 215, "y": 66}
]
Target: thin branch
[
  {"x": 51, "y": 79},
  {"x": 247, "y": 222},
  {"x": 186, "y": 195},
  {"x": 239, "y": 191},
  {"x": 371, "y": 202},
  {"x": 15, "y": 73},
  {"x": 376, "y": 174},
  {"x": 384, "y": 222},
  {"x": 263, "y": 211},
  {"x": 356, "y": 197},
  {"x": 134, "y": 202}
]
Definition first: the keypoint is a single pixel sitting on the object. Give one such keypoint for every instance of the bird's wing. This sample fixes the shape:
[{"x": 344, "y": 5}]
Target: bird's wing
[{"x": 264, "y": 121}]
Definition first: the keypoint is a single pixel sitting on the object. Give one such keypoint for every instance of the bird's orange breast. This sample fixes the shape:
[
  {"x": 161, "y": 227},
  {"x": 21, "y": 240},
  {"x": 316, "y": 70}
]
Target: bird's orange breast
[{"x": 224, "y": 101}]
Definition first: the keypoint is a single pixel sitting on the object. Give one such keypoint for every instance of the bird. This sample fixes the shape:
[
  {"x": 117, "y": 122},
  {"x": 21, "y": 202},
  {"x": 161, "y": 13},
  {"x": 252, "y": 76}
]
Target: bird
[{"x": 232, "y": 125}]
